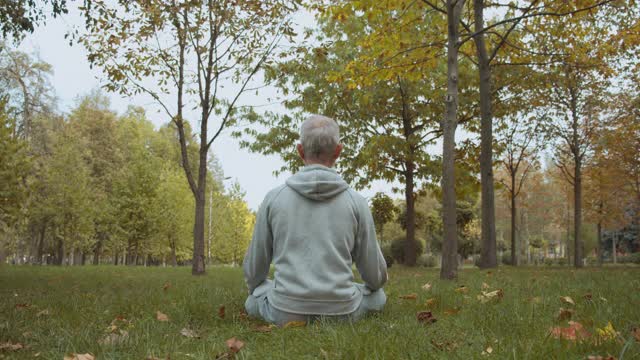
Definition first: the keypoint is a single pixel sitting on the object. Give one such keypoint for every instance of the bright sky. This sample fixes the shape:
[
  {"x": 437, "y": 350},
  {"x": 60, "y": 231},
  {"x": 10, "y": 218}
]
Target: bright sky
[{"x": 73, "y": 78}]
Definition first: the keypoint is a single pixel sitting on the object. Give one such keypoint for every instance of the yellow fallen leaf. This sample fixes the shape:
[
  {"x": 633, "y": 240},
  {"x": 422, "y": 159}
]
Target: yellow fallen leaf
[
  {"x": 485, "y": 286},
  {"x": 430, "y": 303},
  {"x": 79, "y": 357},
  {"x": 426, "y": 287},
  {"x": 491, "y": 295},
  {"x": 452, "y": 311},
  {"x": 264, "y": 328},
  {"x": 294, "y": 324},
  {"x": 567, "y": 300},
  {"x": 189, "y": 333},
  {"x": 161, "y": 317},
  {"x": 606, "y": 333},
  {"x": 462, "y": 290},
  {"x": 114, "y": 339},
  {"x": 42, "y": 313}
]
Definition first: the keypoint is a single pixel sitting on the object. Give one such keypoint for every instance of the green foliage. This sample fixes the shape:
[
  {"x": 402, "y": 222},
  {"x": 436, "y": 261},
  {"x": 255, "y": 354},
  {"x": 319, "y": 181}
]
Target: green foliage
[
  {"x": 383, "y": 210},
  {"x": 398, "y": 247},
  {"x": 18, "y": 17},
  {"x": 388, "y": 257}
]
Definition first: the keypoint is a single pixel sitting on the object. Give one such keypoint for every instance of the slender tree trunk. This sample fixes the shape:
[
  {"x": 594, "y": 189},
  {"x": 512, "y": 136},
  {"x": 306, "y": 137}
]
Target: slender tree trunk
[
  {"x": 600, "y": 247},
  {"x": 59, "y": 252},
  {"x": 198, "y": 266},
  {"x": 115, "y": 259},
  {"x": 410, "y": 255},
  {"x": 40, "y": 249},
  {"x": 449, "y": 269},
  {"x": 174, "y": 260},
  {"x": 514, "y": 229},
  {"x": 614, "y": 247},
  {"x": 97, "y": 250},
  {"x": 488, "y": 258},
  {"x": 577, "y": 215}
]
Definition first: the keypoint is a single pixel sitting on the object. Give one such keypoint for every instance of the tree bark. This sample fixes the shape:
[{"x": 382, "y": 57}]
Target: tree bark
[
  {"x": 614, "y": 248},
  {"x": 410, "y": 255},
  {"x": 449, "y": 268},
  {"x": 600, "y": 247},
  {"x": 577, "y": 216},
  {"x": 40, "y": 249},
  {"x": 174, "y": 260},
  {"x": 97, "y": 250},
  {"x": 514, "y": 229},
  {"x": 59, "y": 252},
  {"x": 488, "y": 258}
]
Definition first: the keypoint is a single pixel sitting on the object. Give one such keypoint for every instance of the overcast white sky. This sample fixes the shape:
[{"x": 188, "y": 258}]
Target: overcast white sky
[{"x": 73, "y": 78}]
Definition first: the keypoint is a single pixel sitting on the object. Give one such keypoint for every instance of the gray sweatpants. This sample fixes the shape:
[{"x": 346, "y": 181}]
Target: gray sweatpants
[{"x": 257, "y": 305}]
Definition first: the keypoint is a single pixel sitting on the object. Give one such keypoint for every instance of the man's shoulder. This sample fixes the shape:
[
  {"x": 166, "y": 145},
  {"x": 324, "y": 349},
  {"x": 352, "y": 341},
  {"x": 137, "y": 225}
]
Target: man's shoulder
[{"x": 273, "y": 193}]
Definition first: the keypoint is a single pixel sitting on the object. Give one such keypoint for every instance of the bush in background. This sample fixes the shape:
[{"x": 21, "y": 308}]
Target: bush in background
[
  {"x": 398, "y": 246},
  {"x": 427, "y": 260}
]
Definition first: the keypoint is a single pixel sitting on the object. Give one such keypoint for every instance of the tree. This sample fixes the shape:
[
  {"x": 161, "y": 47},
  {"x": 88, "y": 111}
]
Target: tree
[
  {"x": 187, "y": 48},
  {"x": 383, "y": 211},
  {"x": 522, "y": 141},
  {"x": 18, "y": 17}
]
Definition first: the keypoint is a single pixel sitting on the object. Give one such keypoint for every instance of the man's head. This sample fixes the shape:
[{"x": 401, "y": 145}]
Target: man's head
[{"x": 319, "y": 141}]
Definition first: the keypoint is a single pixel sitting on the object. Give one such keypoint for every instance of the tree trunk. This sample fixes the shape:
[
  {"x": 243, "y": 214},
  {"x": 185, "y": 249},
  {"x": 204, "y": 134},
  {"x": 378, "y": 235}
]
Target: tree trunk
[
  {"x": 115, "y": 259},
  {"x": 97, "y": 250},
  {"x": 59, "y": 252},
  {"x": 174, "y": 260},
  {"x": 40, "y": 249},
  {"x": 577, "y": 215},
  {"x": 600, "y": 247},
  {"x": 198, "y": 265},
  {"x": 614, "y": 248},
  {"x": 449, "y": 269},
  {"x": 410, "y": 255},
  {"x": 514, "y": 229},
  {"x": 488, "y": 258}
]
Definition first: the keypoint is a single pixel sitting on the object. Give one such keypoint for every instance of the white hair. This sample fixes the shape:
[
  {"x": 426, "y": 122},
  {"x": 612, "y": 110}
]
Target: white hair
[{"x": 319, "y": 136}]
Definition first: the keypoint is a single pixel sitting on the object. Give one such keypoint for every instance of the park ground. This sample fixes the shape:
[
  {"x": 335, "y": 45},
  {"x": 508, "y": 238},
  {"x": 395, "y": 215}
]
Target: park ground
[{"x": 118, "y": 312}]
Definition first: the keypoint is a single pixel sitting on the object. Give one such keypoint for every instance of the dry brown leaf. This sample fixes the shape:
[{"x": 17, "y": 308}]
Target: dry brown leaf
[
  {"x": 426, "y": 317},
  {"x": 166, "y": 286},
  {"x": 295, "y": 324},
  {"x": 161, "y": 317},
  {"x": 114, "y": 339},
  {"x": 221, "y": 312},
  {"x": 263, "y": 328},
  {"x": 9, "y": 346},
  {"x": 485, "y": 286},
  {"x": 430, "y": 303},
  {"x": 409, "y": 296},
  {"x": 243, "y": 315},
  {"x": 426, "y": 287},
  {"x": 22, "y": 306},
  {"x": 564, "y": 314},
  {"x": 491, "y": 295},
  {"x": 452, "y": 311},
  {"x": 598, "y": 357},
  {"x": 234, "y": 344},
  {"x": 445, "y": 345},
  {"x": 462, "y": 289},
  {"x": 79, "y": 357},
  {"x": 588, "y": 296},
  {"x": 636, "y": 333},
  {"x": 43, "y": 313},
  {"x": 567, "y": 300},
  {"x": 574, "y": 332},
  {"x": 189, "y": 333}
]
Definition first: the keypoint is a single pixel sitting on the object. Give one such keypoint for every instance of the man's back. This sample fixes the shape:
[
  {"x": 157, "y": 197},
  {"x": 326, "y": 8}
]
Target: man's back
[{"x": 316, "y": 228}]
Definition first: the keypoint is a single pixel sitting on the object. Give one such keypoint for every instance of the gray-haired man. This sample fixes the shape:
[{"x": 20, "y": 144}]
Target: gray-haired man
[{"x": 313, "y": 228}]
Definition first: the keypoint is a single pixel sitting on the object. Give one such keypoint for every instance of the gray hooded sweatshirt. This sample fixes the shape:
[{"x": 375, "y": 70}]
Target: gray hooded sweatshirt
[{"x": 313, "y": 229}]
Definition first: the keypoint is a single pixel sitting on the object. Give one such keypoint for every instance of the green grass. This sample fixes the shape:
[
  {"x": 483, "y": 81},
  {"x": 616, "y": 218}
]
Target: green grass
[{"x": 83, "y": 301}]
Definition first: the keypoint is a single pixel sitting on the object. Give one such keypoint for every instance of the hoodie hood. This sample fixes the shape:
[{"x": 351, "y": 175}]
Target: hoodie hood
[{"x": 317, "y": 182}]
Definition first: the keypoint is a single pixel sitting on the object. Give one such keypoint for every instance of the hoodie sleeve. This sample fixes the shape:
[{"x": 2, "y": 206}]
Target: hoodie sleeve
[
  {"x": 367, "y": 253},
  {"x": 258, "y": 258}
]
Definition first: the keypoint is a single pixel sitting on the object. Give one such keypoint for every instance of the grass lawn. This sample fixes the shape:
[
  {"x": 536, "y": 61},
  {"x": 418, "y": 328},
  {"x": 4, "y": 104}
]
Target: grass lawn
[{"x": 54, "y": 311}]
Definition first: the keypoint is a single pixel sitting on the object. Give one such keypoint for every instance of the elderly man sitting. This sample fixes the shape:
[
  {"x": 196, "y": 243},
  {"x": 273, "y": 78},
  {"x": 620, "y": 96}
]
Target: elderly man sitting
[{"x": 313, "y": 228}]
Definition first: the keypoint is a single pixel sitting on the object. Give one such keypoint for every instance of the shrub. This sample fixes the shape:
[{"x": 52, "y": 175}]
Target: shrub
[
  {"x": 397, "y": 249},
  {"x": 386, "y": 252},
  {"x": 476, "y": 260},
  {"x": 427, "y": 260},
  {"x": 548, "y": 261},
  {"x": 562, "y": 261},
  {"x": 634, "y": 258}
]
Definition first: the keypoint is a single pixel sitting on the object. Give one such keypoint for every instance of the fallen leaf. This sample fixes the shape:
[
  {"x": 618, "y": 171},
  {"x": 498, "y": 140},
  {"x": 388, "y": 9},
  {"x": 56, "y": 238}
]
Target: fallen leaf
[
  {"x": 574, "y": 332},
  {"x": 221, "y": 312},
  {"x": 564, "y": 314},
  {"x": 462, "y": 289},
  {"x": 588, "y": 296},
  {"x": 636, "y": 333},
  {"x": 243, "y": 315},
  {"x": 79, "y": 357},
  {"x": 536, "y": 300},
  {"x": 161, "y": 317},
  {"x": 9, "y": 346},
  {"x": 426, "y": 317},
  {"x": 324, "y": 354},
  {"x": 491, "y": 295},
  {"x": 409, "y": 296},
  {"x": 598, "y": 357},
  {"x": 166, "y": 286},
  {"x": 488, "y": 351},
  {"x": 189, "y": 333},
  {"x": 294, "y": 324},
  {"x": 452, "y": 311},
  {"x": 234, "y": 345},
  {"x": 263, "y": 328},
  {"x": 567, "y": 300},
  {"x": 445, "y": 345},
  {"x": 431, "y": 303},
  {"x": 22, "y": 306},
  {"x": 606, "y": 333},
  {"x": 426, "y": 287},
  {"x": 114, "y": 338},
  {"x": 42, "y": 313},
  {"x": 27, "y": 334},
  {"x": 485, "y": 286}
]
